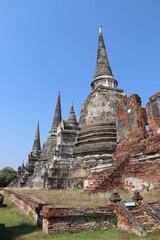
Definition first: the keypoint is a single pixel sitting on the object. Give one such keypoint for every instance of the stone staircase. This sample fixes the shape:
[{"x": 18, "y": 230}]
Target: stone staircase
[
  {"x": 156, "y": 207},
  {"x": 143, "y": 216},
  {"x": 108, "y": 179},
  {"x": 136, "y": 215}
]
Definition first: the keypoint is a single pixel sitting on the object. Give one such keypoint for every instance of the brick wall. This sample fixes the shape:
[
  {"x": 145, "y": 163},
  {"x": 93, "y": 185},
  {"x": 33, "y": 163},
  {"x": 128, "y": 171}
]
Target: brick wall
[
  {"x": 143, "y": 168},
  {"x": 153, "y": 114},
  {"x": 56, "y": 220},
  {"x": 140, "y": 147},
  {"x": 131, "y": 119},
  {"x": 137, "y": 156}
]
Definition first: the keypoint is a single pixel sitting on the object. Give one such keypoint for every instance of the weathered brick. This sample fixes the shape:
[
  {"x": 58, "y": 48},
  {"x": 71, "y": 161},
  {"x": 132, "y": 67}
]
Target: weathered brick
[{"x": 153, "y": 114}]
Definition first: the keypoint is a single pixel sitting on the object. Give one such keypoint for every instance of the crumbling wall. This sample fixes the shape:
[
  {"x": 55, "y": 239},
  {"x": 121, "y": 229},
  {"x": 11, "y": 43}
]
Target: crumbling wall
[
  {"x": 153, "y": 114},
  {"x": 137, "y": 156},
  {"x": 63, "y": 219},
  {"x": 141, "y": 147},
  {"x": 131, "y": 119},
  {"x": 75, "y": 219},
  {"x": 28, "y": 204}
]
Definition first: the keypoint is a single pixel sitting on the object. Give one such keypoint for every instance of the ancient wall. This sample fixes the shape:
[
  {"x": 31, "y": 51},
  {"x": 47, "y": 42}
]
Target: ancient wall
[
  {"x": 131, "y": 119},
  {"x": 75, "y": 219},
  {"x": 142, "y": 170},
  {"x": 141, "y": 147},
  {"x": 63, "y": 219},
  {"x": 28, "y": 204},
  {"x": 153, "y": 114},
  {"x": 137, "y": 156}
]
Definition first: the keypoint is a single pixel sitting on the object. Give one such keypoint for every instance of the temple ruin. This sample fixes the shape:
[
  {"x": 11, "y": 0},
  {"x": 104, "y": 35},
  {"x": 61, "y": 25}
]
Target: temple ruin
[{"x": 116, "y": 142}]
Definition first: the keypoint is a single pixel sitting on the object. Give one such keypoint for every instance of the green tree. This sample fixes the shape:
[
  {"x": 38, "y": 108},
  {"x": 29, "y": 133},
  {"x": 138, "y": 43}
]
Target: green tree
[{"x": 7, "y": 174}]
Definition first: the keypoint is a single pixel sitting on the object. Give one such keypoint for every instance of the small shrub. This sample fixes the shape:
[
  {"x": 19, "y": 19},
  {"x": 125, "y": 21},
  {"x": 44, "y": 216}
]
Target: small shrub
[{"x": 113, "y": 221}]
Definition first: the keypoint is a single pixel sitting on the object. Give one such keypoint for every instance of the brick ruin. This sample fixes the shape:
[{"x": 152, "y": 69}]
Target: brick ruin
[
  {"x": 62, "y": 219},
  {"x": 137, "y": 156},
  {"x": 142, "y": 146},
  {"x": 141, "y": 218},
  {"x": 116, "y": 142}
]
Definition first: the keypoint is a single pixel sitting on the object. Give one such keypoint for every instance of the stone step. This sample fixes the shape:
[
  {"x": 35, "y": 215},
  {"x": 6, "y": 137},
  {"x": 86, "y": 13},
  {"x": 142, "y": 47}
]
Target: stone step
[
  {"x": 99, "y": 128},
  {"x": 94, "y": 127},
  {"x": 94, "y": 135},
  {"x": 94, "y": 148},
  {"x": 136, "y": 210},
  {"x": 141, "y": 216},
  {"x": 109, "y": 176},
  {"x": 142, "y": 219},
  {"x": 148, "y": 223},
  {"x": 94, "y": 174},
  {"x": 96, "y": 140},
  {"x": 95, "y": 130},
  {"x": 98, "y": 157}
]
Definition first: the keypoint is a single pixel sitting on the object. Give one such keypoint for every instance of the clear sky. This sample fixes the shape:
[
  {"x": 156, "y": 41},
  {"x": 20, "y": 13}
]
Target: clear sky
[{"x": 51, "y": 45}]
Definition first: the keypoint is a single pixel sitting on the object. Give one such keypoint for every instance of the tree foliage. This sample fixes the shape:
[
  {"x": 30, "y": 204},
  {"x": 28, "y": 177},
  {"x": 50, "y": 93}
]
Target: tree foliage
[{"x": 7, "y": 174}]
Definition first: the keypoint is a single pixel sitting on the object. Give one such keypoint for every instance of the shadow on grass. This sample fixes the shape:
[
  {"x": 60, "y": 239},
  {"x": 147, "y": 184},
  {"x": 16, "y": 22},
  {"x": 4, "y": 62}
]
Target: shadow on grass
[
  {"x": 4, "y": 206},
  {"x": 10, "y": 233}
]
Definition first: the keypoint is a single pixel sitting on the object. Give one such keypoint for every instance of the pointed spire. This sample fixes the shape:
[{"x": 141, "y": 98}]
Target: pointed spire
[
  {"x": 57, "y": 115},
  {"x": 22, "y": 165},
  {"x": 103, "y": 69},
  {"x": 36, "y": 145},
  {"x": 102, "y": 64},
  {"x": 72, "y": 117}
]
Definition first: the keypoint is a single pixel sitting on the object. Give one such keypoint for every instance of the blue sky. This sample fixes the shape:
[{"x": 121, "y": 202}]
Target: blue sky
[{"x": 51, "y": 45}]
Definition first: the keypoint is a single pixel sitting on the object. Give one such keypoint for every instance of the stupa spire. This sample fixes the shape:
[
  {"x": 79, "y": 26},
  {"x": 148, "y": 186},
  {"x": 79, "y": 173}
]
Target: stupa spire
[
  {"x": 22, "y": 165},
  {"x": 72, "y": 117},
  {"x": 102, "y": 64},
  {"x": 57, "y": 115},
  {"x": 103, "y": 69},
  {"x": 37, "y": 145}
]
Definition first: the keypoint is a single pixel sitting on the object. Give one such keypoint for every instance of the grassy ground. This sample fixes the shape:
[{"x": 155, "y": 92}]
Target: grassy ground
[
  {"x": 16, "y": 224},
  {"x": 20, "y": 227},
  {"x": 76, "y": 198}
]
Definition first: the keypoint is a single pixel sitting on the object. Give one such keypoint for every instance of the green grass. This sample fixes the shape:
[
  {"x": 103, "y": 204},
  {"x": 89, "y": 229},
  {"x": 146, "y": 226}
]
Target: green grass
[
  {"x": 21, "y": 227},
  {"x": 16, "y": 224},
  {"x": 110, "y": 234}
]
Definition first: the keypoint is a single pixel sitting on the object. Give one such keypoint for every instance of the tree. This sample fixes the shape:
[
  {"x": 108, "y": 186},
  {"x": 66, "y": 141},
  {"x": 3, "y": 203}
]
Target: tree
[{"x": 7, "y": 174}]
